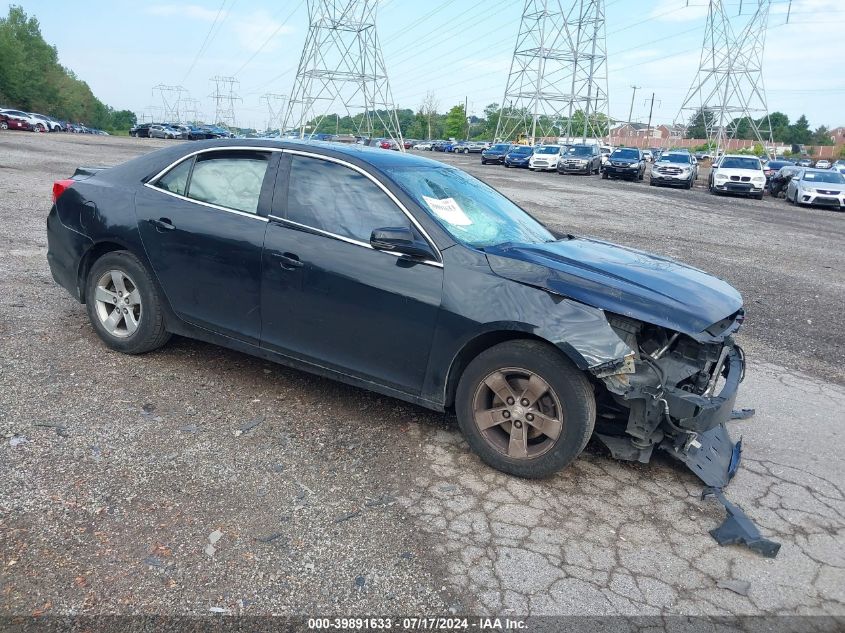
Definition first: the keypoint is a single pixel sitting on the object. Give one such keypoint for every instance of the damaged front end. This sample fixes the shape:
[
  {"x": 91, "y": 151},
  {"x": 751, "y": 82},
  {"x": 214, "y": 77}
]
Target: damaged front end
[{"x": 676, "y": 392}]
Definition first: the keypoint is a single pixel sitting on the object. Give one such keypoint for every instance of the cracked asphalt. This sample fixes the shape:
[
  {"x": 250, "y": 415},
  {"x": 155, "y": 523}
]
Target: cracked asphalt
[{"x": 197, "y": 480}]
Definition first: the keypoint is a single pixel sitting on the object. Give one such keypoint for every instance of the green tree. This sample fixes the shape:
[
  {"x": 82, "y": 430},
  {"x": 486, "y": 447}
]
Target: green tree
[
  {"x": 779, "y": 123},
  {"x": 822, "y": 136},
  {"x": 456, "y": 122},
  {"x": 799, "y": 132},
  {"x": 700, "y": 122}
]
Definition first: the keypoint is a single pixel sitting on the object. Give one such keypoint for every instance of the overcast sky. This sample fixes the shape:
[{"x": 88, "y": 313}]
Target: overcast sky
[{"x": 455, "y": 48}]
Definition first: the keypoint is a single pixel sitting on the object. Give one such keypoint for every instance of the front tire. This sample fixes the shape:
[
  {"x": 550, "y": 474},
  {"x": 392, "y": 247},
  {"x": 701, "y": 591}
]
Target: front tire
[
  {"x": 123, "y": 305},
  {"x": 525, "y": 409}
]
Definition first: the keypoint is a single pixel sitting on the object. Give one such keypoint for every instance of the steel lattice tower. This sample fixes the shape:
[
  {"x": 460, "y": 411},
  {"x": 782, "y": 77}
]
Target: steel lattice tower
[
  {"x": 728, "y": 87},
  {"x": 171, "y": 100},
  {"x": 342, "y": 69},
  {"x": 558, "y": 76},
  {"x": 224, "y": 100},
  {"x": 275, "y": 107}
]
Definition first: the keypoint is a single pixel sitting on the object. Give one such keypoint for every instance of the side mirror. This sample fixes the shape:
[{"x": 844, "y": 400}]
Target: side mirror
[{"x": 400, "y": 240}]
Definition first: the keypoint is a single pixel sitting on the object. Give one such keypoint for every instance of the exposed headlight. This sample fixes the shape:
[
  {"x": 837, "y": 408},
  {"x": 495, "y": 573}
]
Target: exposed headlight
[
  {"x": 721, "y": 177},
  {"x": 758, "y": 179}
]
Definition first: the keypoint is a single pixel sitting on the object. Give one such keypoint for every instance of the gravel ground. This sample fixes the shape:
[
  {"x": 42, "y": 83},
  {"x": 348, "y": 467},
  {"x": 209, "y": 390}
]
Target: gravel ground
[{"x": 196, "y": 479}]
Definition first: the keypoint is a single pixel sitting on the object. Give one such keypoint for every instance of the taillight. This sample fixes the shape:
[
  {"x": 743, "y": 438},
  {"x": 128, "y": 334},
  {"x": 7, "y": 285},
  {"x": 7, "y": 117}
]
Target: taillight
[{"x": 59, "y": 187}]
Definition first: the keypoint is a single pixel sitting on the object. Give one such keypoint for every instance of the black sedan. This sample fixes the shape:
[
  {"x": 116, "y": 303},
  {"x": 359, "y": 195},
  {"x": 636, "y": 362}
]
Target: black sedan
[
  {"x": 496, "y": 153},
  {"x": 410, "y": 278},
  {"x": 519, "y": 156}
]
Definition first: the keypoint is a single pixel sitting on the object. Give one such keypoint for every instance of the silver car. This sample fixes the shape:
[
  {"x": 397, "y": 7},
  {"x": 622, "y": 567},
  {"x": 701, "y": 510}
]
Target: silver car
[
  {"x": 817, "y": 187},
  {"x": 678, "y": 169}
]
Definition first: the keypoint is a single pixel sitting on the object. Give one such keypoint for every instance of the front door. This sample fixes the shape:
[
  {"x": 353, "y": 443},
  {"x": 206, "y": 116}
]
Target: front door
[
  {"x": 202, "y": 225},
  {"x": 328, "y": 297}
]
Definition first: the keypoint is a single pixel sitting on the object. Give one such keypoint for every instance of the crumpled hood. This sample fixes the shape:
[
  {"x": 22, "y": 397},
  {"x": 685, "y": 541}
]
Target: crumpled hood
[{"x": 622, "y": 280}]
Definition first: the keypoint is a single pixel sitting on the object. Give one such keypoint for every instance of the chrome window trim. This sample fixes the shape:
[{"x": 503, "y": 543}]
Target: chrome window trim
[
  {"x": 348, "y": 240},
  {"x": 154, "y": 180},
  {"x": 378, "y": 184}
]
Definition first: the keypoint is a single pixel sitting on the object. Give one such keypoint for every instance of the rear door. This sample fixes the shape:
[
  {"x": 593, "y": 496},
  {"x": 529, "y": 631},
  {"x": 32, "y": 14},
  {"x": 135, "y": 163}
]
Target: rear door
[{"x": 202, "y": 224}]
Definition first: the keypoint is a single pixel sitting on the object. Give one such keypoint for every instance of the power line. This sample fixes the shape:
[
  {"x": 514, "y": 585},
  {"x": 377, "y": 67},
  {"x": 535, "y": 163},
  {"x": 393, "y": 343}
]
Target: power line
[
  {"x": 205, "y": 40},
  {"x": 269, "y": 38}
]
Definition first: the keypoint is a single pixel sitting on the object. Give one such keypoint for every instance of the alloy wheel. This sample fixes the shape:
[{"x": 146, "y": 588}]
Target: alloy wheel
[
  {"x": 517, "y": 413},
  {"x": 118, "y": 303}
]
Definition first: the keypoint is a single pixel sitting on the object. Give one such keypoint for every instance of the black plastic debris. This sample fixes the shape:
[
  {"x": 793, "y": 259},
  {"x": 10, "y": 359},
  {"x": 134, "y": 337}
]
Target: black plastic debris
[{"x": 737, "y": 528}]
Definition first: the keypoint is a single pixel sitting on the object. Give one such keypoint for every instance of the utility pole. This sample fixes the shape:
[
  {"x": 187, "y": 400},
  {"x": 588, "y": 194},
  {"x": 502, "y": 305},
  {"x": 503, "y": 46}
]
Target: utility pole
[
  {"x": 342, "y": 67},
  {"x": 558, "y": 69},
  {"x": 650, "y": 112},
  {"x": 631, "y": 110}
]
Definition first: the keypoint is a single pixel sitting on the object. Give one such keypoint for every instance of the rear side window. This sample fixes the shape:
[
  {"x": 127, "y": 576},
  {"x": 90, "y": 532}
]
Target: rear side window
[
  {"x": 339, "y": 200},
  {"x": 176, "y": 180}
]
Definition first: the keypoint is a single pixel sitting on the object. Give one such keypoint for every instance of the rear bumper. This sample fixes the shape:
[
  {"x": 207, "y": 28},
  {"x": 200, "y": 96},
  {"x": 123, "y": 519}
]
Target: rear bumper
[{"x": 64, "y": 252}]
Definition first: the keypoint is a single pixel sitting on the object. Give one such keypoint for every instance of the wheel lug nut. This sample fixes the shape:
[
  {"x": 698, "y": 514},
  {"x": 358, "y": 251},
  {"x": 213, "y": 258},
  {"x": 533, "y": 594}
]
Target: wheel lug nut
[
  {"x": 506, "y": 414},
  {"x": 529, "y": 417},
  {"x": 510, "y": 400},
  {"x": 525, "y": 402},
  {"x": 518, "y": 424}
]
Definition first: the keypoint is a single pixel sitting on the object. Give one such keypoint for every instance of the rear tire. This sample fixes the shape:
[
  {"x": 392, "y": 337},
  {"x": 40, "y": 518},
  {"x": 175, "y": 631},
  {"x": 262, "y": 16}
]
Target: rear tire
[
  {"x": 550, "y": 408},
  {"x": 604, "y": 175},
  {"x": 122, "y": 302}
]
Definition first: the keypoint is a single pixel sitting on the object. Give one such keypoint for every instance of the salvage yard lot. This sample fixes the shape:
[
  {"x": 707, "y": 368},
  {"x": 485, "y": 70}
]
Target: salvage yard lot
[{"x": 197, "y": 478}]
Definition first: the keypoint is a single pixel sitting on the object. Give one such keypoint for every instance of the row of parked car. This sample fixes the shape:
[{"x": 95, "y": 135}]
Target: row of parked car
[
  {"x": 34, "y": 122},
  {"x": 179, "y": 131},
  {"x": 822, "y": 185}
]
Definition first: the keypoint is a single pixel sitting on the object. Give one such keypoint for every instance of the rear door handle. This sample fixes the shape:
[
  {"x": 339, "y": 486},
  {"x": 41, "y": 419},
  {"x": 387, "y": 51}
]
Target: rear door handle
[
  {"x": 288, "y": 261},
  {"x": 162, "y": 224}
]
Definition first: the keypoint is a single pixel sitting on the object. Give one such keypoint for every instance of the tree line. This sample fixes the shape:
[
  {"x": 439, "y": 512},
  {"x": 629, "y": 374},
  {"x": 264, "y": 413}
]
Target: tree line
[
  {"x": 32, "y": 80},
  {"x": 783, "y": 131}
]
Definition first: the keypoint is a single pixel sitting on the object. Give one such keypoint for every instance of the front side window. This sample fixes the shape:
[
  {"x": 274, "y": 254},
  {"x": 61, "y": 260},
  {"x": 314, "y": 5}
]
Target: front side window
[
  {"x": 336, "y": 199},
  {"x": 229, "y": 179},
  {"x": 471, "y": 211}
]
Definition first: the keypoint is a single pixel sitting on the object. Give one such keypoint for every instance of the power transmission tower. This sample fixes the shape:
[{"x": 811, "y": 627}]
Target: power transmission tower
[
  {"x": 275, "y": 107},
  {"x": 558, "y": 76},
  {"x": 342, "y": 69},
  {"x": 224, "y": 96},
  {"x": 189, "y": 109},
  {"x": 171, "y": 98},
  {"x": 728, "y": 89}
]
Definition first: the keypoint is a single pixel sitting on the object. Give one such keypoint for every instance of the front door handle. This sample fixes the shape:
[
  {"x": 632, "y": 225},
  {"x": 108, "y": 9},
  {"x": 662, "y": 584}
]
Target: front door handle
[
  {"x": 288, "y": 261},
  {"x": 162, "y": 224}
]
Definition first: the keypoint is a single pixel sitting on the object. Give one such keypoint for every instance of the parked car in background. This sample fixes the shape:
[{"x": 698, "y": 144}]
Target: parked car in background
[
  {"x": 472, "y": 147},
  {"x": 606, "y": 151},
  {"x": 545, "y": 157},
  {"x": 519, "y": 156},
  {"x": 675, "y": 169},
  {"x": 495, "y": 153},
  {"x": 460, "y": 147},
  {"x": 648, "y": 155},
  {"x": 778, "y": 182},
  {"x": 423, "y": 145},
  {"x": 580, "y": 159},
  {"x": 218, "y": 132},
  {"x": 822, "y": 164},
  {"x": 49, "y": 122},
  {"x": 804, "y": 162},
  {"x": 738, "y": 174},
  {"x": 703, "y": 156},
  {"x": 193, "y": 132},
  {"x": 817, "y": 187},
  {"x": 36, "y": 125},
  {"x": 12, "y": 122},
  {"x": 164, "y": 131},
  {"x": 772, "y": 167},
  {"x": 839, "y": 166},
  {"x": 440, "y": 146},
  {"x": 625, "y": 162},
  {"x": 140, "y": 130}
]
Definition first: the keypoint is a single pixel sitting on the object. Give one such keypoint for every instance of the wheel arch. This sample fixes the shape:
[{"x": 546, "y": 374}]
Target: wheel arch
[
  {"x": 484, "y": 341},
  {"x": 95, "y": 252}
]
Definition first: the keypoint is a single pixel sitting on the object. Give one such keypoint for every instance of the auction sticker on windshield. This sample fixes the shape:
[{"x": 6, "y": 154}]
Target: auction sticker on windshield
[{"x": 449, "y": 210}]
